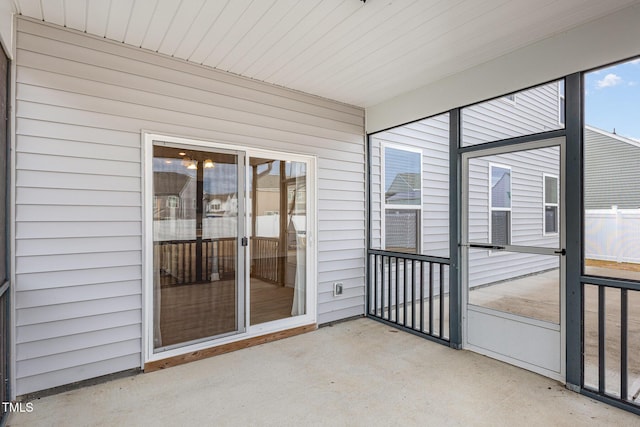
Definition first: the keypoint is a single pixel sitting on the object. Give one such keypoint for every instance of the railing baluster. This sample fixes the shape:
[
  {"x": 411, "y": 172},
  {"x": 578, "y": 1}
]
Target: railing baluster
[
  {"x": 413, "y": 294},
  {"x": 375, "y": 283},
  {"x": 207, "y": 267},
  {"x": 624, "y": 388},
  {"x": 383, "y": 276},
  {"x": 405, "y": 279},
  {"x": 397, "y": 290},
  {"x": 174, "y": 263},
  {"x": 430, "y": 298},
  {"x": 601, "y": 339},
  {"x": 421, "y": 296},
  {"x": 389, "y": 292},
  {"x": 441, "y": 300}
]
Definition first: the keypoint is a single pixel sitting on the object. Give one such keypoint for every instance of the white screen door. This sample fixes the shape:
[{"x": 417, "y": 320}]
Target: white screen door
[{"x": 513, "y": 257}]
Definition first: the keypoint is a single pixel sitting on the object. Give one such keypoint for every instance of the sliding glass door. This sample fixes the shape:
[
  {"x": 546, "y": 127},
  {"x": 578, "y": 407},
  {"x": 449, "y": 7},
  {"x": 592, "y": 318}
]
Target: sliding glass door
[
  {"x": 197, "y": 244},
  {"x": 228, "y": 254},
  {"x": 278, "y": 229}
]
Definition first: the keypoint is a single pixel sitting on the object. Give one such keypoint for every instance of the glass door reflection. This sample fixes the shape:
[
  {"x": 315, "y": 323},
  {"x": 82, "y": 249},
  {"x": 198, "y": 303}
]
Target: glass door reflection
[
  {"x": 278, "y": 201},
  {"x": 196, "y": 259}
]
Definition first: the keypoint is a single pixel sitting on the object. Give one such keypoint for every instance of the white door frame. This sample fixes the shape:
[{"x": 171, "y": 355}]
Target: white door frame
[
  {"x": 250, "y": 331},
  {"x": 532, "y": 324}
]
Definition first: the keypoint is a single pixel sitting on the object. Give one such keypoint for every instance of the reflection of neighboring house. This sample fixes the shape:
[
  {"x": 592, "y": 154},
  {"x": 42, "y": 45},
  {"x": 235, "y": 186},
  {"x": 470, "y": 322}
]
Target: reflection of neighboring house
[
  {"x": 501, "y": 191},
  {"x": 221, "y": 204},
  {"x": 405, "y": 189},
  {"x": 175, "y": 196},
  {"x": 267, "y": 195}
]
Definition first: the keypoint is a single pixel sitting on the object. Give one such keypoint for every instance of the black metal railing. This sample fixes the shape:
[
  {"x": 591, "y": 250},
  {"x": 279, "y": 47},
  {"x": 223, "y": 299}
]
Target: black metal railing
[
  {"x": 410, "y": 292},
  {"x": 611, "y": 343}
]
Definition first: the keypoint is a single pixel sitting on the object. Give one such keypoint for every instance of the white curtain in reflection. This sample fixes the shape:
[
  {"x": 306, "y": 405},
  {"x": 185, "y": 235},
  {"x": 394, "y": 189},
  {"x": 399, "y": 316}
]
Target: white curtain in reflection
[
  {"x": 299, "y": 291},
  {"x": 157, "y": 332},
  {"x": 298, "y": 202}
]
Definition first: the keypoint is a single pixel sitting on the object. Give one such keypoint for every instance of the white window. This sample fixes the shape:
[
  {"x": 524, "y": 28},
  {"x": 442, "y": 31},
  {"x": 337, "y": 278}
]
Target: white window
[
  {"x": 551, "y": 207},
  {"x": 402, "y": 198},
  {"x": 500, "y": 204},
  {"x": 561, "y": 103},
  {"x": 173, "y": 201}
]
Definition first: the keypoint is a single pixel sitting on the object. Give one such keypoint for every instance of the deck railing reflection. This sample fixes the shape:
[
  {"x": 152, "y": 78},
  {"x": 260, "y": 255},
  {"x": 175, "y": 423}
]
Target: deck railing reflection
[{"x": 176, "y": 260}]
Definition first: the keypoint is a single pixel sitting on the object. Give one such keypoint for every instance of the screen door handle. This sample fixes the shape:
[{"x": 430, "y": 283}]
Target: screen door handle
[
  {"x": 495, "y": 247},
  {"x": 562, "y": 252}
]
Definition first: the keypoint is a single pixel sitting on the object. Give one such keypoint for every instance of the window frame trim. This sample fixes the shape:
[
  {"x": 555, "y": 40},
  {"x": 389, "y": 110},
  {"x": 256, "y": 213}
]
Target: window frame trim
[
  {"x": 545, "y": 204},
  {"x": 384, "y": 205},
  {"x": 562, "y": 103},
  {"x": 500, "y": 209}
]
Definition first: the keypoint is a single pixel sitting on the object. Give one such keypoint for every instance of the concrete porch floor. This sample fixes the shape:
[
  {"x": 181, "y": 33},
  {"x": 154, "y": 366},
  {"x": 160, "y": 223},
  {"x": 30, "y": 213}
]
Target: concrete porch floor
[{"x": 353, "y": 373}]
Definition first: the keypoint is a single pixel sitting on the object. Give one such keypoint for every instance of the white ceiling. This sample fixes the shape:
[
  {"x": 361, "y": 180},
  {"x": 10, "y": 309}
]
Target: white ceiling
[{"x": 346, "y": 50}]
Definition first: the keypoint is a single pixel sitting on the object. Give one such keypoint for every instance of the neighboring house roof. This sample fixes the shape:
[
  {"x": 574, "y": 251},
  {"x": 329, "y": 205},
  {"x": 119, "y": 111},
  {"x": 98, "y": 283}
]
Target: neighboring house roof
[
  {"x": 501, "y": 191},
  {"x": 405, "y": 189},
  {"x": 404, "y": 182},
  {"x": 630, "y": 141},
  {"x": 169, "y": 183}
]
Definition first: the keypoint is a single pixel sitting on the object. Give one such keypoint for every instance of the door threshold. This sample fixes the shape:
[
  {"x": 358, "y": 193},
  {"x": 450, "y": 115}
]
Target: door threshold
[{"x": 226, "y": 348}]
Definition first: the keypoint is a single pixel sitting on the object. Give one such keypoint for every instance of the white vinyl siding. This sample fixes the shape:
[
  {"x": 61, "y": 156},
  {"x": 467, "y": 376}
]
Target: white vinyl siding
[
  {"x": 527, "y": 168},
  {"x": 611, "y": 170},
  {"x": 431, "y": 137},
  {"x": 534, "y": 111},
  {"x": 82, "y": 104}
]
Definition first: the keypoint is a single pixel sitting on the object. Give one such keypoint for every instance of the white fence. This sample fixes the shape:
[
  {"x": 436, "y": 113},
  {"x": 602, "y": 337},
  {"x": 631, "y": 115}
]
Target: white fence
[
  {"x": 613, "y": 235},
  {"x": 221, "y": 227}
]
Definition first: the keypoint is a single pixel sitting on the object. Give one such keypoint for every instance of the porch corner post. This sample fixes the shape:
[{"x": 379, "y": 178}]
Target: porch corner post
[
  {"x": 455, "y": 291},
  {"x": 574, "y": 222}
]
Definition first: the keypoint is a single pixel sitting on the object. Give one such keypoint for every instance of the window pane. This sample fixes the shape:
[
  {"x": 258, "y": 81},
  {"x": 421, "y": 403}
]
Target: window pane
[
  {"x": 195, "y": 230},
  {"x": 401, "y": 230},
  {"x": 550, "y": 189},
  {"x": 551, "y": 219},
  {"x": 500, "y": 187},
  {"x": 402, "y": 177},
  {"x": 612, "y": 172},
  {"x": 500, "y": 227},
  {"x": 535, "y": 110},
  {"x": 278, "y": 239}
]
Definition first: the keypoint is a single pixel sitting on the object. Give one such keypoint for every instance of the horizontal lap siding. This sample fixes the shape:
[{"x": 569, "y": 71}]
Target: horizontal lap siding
[
  {"x": 81, "y": 106},
  {"x": 527, "y": 226},
  {"x": 612, "y": 172},
  {"x": 432, "y": 137},
  {"x": 534, "y": 111}
]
